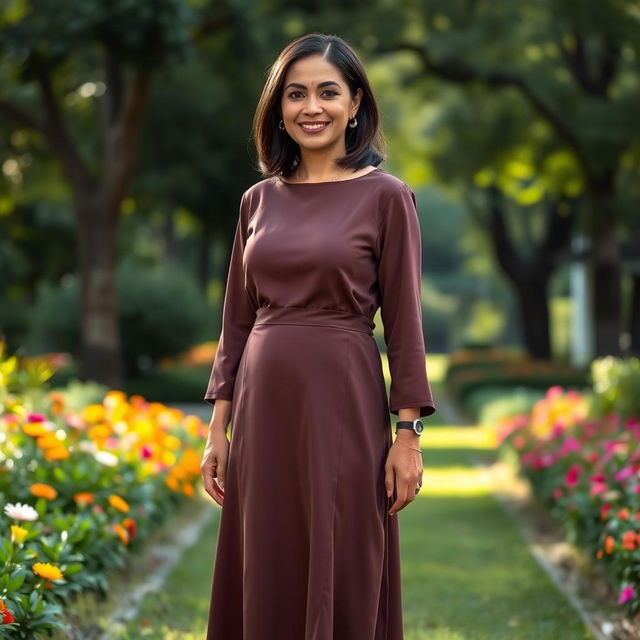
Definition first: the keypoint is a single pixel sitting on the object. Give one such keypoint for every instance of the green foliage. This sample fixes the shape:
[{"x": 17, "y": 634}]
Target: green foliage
[
  {"x": 161, "y": 313},
  {"x": 489, "y": 404},
  {"x": 616, "y": 383},
  {"x": 142, "y": 33}
]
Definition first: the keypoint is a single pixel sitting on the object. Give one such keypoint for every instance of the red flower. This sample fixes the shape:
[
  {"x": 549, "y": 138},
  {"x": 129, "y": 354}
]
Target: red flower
[{"x": 573, "y": 475}]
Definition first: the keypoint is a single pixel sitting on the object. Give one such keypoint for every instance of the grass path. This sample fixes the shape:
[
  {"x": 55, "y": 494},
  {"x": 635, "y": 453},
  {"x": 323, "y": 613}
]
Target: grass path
[{"x": 467, "y": 573}]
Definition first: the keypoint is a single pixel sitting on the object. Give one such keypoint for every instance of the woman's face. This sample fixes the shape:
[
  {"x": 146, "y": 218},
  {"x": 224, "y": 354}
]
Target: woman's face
[{"x": 315, "y": 93}]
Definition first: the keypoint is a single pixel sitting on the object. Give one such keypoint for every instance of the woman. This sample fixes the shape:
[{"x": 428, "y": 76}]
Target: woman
[{"x": 310, "y": 482}]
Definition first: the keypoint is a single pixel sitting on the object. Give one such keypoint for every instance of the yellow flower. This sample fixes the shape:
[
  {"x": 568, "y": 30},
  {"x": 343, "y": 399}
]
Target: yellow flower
[
  {"x": 48, "y": 571},
  {"x": 93, "y": 413},
  {"x": 118, "y": 503},
  {"x": 18, "y": 534},
  {"x": 41, "y": 490}
]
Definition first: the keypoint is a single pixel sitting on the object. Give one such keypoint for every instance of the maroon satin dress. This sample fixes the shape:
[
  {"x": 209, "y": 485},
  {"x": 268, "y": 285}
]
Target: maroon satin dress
[{"x": 306, "y": 549}]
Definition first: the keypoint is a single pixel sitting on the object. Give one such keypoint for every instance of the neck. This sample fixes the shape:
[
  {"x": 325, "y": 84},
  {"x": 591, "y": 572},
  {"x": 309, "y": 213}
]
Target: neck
[{"x": 318, "y": 167}]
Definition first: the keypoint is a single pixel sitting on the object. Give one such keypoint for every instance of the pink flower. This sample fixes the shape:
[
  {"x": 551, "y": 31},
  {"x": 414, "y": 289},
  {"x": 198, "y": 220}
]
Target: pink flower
[
  {"x": 36, "y": 417},
  {"x": 597, "y": 488},
  {"x": 557, "y": 493},
  {"x": 573, "y": 475},
  {"x": 569, "y": 445},
  {"x": 624, "y": 474},
  {"x": 598, "y": 477},
  {"x": 554, "y": 392},
  {"x": 626, "y": 593},
  {"x": 146, "y": 452}
]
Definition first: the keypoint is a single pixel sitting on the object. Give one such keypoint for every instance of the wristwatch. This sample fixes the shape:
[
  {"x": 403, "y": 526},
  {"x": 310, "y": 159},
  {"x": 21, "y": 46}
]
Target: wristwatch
[{"x": 414, "y": 425}]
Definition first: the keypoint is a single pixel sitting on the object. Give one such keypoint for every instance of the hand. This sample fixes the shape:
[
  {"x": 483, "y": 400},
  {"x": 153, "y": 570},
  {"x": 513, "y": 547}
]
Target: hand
[
  {"x": 404, "y": 465},
  {"x": 214, "y": 464}
]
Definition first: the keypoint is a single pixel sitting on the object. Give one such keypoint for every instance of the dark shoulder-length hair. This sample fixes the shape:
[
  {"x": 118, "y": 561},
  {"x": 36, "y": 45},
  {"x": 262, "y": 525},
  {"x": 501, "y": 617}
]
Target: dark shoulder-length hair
[{"x": 278, "y": 153}]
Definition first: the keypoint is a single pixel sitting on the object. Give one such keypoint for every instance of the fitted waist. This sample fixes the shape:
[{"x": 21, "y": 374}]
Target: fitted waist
[{"x": 314, "y": 316}]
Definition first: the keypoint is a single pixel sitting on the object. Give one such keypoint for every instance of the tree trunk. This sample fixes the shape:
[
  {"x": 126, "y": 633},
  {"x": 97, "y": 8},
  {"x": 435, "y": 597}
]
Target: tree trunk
[
  {"x": 634, "y": 319},
  {"x": 607, "y": 272},
  {"x": 100, "y": 354},
  {"x": 533, "y": 305}
]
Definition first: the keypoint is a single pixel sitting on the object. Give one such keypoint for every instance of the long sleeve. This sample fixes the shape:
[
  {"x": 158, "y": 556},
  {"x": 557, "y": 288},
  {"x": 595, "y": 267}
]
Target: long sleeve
[
  {"x": 399, "y": 279},
  {"x": 238, "y": 316}
]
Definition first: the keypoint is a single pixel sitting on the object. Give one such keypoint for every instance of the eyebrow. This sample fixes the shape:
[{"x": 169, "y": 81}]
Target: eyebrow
[{"x": 302, "y": 86}]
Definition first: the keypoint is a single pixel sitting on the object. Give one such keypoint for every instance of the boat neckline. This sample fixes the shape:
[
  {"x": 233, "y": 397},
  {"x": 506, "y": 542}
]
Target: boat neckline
[{"x": 300, "y": 184}]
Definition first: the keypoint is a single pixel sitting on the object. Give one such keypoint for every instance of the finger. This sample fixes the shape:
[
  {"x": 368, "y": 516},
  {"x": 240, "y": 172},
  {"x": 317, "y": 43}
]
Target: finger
[
  {"x": 397, "y": 505},
  {"x": 402, "y": 495},
  {"x": 388, "y": 480},
  {"x": 221, "y": 475},
  {"x": 210, "y": 486}
]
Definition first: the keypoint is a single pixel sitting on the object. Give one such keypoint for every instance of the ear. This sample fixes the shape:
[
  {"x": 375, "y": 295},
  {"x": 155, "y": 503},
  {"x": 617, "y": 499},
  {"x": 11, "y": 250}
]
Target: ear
[{"x": 356, "y": 100}]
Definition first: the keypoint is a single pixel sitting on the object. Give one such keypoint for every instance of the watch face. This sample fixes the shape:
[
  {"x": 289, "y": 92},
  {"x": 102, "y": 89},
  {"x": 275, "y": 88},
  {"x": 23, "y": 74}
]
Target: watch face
[{"x": 418, "y": 426}]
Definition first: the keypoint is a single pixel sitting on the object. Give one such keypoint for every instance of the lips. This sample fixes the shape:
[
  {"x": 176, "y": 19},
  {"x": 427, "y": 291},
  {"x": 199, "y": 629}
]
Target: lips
[{"x": 313, "y": 127}]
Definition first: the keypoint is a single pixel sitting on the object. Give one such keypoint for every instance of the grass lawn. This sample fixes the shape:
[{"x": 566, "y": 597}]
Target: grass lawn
[{"x": 467, "y": 574}]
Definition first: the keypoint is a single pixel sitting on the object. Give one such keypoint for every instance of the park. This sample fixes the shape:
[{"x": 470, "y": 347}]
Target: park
[{"x": 126, "y": 149}]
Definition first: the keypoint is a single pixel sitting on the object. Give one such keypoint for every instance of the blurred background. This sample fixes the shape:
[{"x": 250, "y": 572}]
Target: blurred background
[{"x": 125, "y": 145}]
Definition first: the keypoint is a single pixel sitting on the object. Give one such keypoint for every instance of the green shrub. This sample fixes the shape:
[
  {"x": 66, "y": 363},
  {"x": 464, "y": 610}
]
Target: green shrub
[{"x": 160, "y": 308}]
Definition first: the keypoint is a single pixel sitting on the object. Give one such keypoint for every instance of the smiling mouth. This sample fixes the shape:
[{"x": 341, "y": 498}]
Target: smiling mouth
[{"x": 312, "y": 128}]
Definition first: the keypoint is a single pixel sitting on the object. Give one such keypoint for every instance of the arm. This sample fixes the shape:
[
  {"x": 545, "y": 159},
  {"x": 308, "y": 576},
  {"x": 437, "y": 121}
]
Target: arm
[
  {"x": 238, "y": 316},
  {"x": 399, "y": 277}
]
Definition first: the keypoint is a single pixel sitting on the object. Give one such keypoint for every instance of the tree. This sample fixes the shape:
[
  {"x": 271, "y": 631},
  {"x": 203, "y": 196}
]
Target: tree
[
  {"x": 576, "y": 65},
  {"x": 63, "y": 63}
]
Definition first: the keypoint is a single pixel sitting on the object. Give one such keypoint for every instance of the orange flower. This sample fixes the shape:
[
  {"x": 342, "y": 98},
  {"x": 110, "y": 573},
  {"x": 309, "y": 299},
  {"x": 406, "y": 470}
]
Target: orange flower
[
  {"x": 599, "y": 553},
  {"x": 48, "y": 440},
  {"x": 130, "y": 525},
  {"x": 119, "y": 503},
  {"x": 48, "y": 571},
  {"x": 623, "y": 513},
  {"x": 84, "y": 497},
  {"x": 56, "y": 453},
  {"x": 100, "y": 431},
  {"x": 35, "y": 429},
  {"x": 629, "y": 540},
  {"x": 122, "y": 533},
  {"x": 41, "y": 490},
  {"x": 609, "y": 544},
  {"x": 7, "y": 618},
  {"x": 187, "y": 489},
  {"x": 171, "y": 482}
]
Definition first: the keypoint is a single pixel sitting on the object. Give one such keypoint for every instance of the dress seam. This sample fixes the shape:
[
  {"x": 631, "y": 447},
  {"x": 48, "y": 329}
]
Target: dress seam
[
  {"x": 313, "y": 324},
  {"x": 350, "y": 313}
]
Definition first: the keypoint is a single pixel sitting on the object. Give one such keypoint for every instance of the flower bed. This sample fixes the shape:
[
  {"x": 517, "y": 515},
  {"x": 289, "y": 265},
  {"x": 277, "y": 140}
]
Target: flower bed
[
  {"x": 586, "y": 467},
  {"x": 80, "y": 490}
]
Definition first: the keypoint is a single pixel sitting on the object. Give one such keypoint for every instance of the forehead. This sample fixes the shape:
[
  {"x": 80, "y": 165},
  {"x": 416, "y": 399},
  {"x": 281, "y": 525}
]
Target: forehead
[{"x": 312, "y": 70}]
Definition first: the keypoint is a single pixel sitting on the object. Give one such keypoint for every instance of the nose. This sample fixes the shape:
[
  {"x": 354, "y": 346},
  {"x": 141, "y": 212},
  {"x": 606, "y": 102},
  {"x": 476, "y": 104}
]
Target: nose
[{"x": 312, "y": 104}]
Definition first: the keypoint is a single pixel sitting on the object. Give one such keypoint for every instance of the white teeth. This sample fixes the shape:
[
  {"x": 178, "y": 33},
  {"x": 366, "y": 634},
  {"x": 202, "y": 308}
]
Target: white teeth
[{"x": 313, "y": 126}]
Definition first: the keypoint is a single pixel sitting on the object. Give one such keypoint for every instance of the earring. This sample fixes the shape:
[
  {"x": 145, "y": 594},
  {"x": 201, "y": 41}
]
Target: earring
[
  {"x": 281, "y": 125},
  {"x": 354, "y": 123}
]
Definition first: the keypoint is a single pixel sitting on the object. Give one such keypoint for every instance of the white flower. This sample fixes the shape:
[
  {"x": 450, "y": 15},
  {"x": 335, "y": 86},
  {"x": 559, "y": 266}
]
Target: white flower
[
  {"x": 106, "y": 458},
  {"x": 20, "y": 511}
]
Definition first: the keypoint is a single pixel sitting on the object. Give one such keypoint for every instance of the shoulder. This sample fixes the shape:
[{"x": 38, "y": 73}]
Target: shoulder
[{"x": 396, "y": 198}]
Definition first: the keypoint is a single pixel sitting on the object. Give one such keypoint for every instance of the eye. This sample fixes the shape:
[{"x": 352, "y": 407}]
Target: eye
[{"x": 331, "y": 91}]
